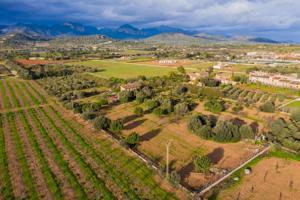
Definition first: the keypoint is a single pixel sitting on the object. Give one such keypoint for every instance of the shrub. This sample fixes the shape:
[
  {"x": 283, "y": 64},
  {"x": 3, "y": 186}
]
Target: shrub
[
  {"x": 181, "y": 109},
  {"x": 101, "y": 123},
  {"x": 295, "y": 114},
  {"x": 209, "y": 82},
  {"x": 116, "y": 126},
  {"x": 140, "y": 96},
  {"x": 174, "y": 178},
  {"x": 126, "y": 96},
  {"x": 202, "y": 164},
  {"x": 214, "y": 105},
  {"x": 167, "y": 105},
  {"x": 89, "y": 115},
  {"x": 138, "y": 111},
  {"x": 181, "y": 70},
  {"x": 152, "y": 104},
  {"x": 159, "y": 111},
  {"x": 181, "y": 89},
  {"x": 200, "y": 125},
  {"x": 133, "y": 139},
  {"x": 226, "y": 131},
  {"x": 246, "y": 132},
  {"x": 268, "y": 107},
  {"x": 237, "y": 108}
]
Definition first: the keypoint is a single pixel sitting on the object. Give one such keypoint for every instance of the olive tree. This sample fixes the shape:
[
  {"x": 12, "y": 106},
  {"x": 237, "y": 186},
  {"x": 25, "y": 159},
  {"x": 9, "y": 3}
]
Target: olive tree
[
  {"x": 202, "y": 164},
  {"x": 133, "y": 139},
  {"x": 101, "y": 123},
  {"x": 226, "y": 131}
]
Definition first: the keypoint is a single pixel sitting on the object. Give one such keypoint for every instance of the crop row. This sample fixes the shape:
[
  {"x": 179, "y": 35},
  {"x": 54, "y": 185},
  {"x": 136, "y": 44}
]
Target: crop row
[
  {"x": 58, "y": 157},
  {"x": 6, "y": 190},
  {"x": 119, "y": 178},
  {"x": 98, "y": 183},
  {"x": 249, "y": 96},
  {"x": 117, "y": 162},
  {"x": 26, "y": 175},
  {"x": 5, "y": 100},
  {"x": 17, "y": 94}
]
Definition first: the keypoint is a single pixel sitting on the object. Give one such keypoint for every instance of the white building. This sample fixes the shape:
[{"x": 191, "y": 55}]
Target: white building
[
  {"x": 220, "y": 65},
  {"x": 278, "y": 80},
  {"x": 169, "y": 62}
]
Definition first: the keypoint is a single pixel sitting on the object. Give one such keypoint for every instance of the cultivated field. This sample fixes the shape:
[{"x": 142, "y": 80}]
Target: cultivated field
[
  {"x": 155, "y": 132},
  {"x": 125, "y": 70},
  {"x": 271, "y": 178},
  {"x": 47, "y": 154},
  {"x": 15, "y": 93}
]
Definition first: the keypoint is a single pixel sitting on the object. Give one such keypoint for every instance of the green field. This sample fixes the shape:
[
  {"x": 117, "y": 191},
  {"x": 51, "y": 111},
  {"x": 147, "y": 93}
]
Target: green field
[
  {"x": 125, "y": 70},
  {"x": 290, "y": 93},
  {"x": 294, "y": 104}
]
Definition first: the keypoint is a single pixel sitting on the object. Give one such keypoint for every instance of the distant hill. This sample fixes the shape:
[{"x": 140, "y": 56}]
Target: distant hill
[
  {"x": 165, "y": 34},
  {"x": 175, "y": 39},
  {"x": 126, "y": 31},
  {"x": 20, "y": 39},
  {"x": 201, "y": 38}
]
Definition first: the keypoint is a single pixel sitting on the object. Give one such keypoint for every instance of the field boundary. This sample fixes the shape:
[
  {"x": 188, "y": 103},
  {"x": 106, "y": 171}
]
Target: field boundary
[
  {"x": 208, "y": 188},
  {"x": 149, "y": 162}
]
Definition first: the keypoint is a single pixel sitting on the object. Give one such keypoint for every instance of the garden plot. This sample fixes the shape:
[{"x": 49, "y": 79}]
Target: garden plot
[{"x": 155, "y": 132}]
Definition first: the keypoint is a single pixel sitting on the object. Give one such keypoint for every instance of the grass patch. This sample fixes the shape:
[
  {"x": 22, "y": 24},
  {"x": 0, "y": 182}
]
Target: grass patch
[{"x": 125, "y": 70}]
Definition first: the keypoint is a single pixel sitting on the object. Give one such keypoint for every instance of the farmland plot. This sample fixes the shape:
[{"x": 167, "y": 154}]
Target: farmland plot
[
  {"x": 155, "y": 132},
  {"x": 46, "y": 156},
  {"x": 16, "y": 94}
]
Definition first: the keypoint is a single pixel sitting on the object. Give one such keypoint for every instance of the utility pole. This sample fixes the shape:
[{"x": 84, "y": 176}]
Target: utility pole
[{"x": 168, "y": 144}]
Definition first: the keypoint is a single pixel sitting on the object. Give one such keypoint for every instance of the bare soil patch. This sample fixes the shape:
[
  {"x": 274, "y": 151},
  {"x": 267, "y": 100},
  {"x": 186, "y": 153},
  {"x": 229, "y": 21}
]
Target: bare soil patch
[{"x": 271, "y": 178}]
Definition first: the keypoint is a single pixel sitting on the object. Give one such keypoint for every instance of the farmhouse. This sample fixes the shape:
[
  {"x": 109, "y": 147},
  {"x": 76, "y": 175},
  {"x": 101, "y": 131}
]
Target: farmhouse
[
  {"x": 197, "y": 75},
  {"x": 278, "y": 80},
  {"x": 220, "y": 66},
  {"x": 225, "y": 78},
  {"x": 130, "y": 86}
]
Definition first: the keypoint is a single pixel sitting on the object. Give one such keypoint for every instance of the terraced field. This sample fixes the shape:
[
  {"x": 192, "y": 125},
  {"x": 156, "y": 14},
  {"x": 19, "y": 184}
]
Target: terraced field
[{"x": 46, "y": 154}]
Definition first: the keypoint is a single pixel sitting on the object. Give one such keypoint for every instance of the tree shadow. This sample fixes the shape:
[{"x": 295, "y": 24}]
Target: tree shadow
[
  {"x": 216, "y": 155},
  {"x": 130, "y": 118},
  {"x": 134, "y": 124},
  {"x": 184, "y": 173},
  {"x": 151, "y": 134},
  {"x": 254, "y": 126},
  {"x": 237, "y": 121}
]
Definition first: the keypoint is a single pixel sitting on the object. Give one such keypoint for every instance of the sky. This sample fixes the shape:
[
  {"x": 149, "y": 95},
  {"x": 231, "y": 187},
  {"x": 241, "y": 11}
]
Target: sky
[{"x": 275, "y": 19}]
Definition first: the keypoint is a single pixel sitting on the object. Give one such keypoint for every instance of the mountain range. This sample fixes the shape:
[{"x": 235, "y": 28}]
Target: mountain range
[{"x": 126, "y": 31}]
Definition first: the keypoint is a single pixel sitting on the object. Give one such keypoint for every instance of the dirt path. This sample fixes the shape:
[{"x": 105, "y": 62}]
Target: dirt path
[
  {"x": 66, "y": 188},
  {"x": 38, "y": 176},
  {"x": 15, "y": 172}
]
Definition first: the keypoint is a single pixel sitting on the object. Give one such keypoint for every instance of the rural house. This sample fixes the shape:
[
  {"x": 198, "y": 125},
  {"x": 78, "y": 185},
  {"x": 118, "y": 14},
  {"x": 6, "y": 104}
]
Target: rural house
[{"x": 130, "y": 86}]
